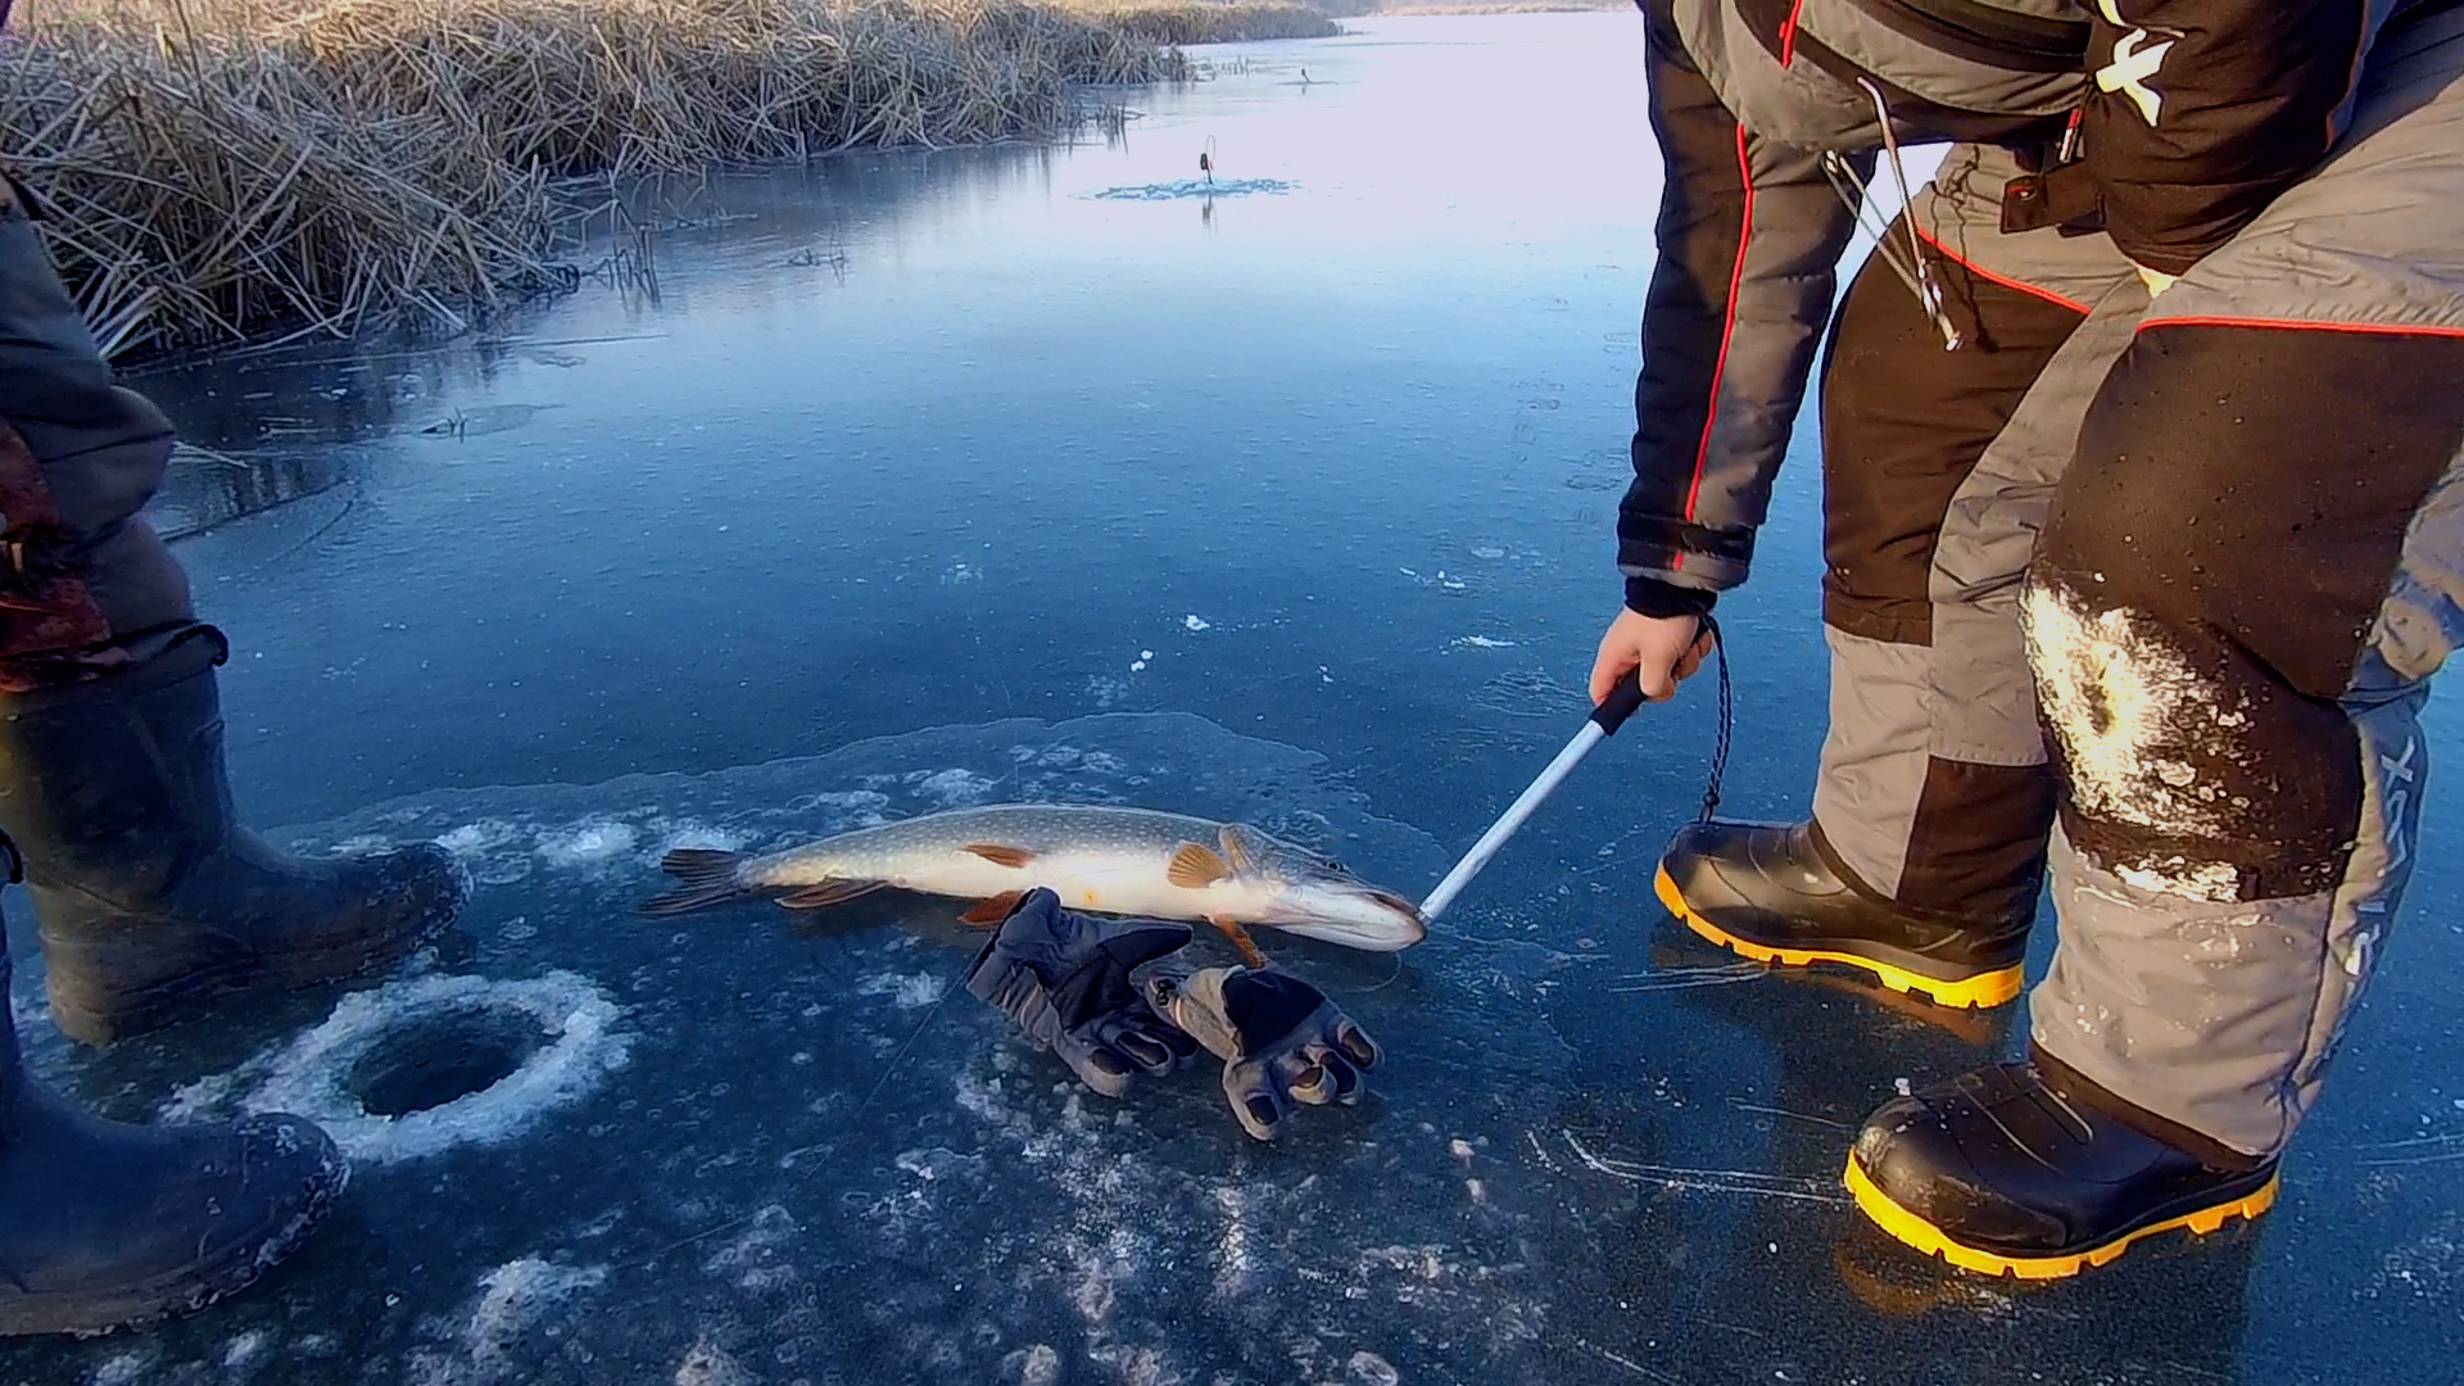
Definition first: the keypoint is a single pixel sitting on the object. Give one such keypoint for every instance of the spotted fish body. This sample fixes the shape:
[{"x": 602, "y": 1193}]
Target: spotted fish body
[{"x": 1104, "y": 860}]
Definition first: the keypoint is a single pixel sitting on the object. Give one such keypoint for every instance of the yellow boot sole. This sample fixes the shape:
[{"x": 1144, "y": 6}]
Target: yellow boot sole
[
  {"x": 1984, "y": 989},
  {"x": 1907, "y": 1227}
]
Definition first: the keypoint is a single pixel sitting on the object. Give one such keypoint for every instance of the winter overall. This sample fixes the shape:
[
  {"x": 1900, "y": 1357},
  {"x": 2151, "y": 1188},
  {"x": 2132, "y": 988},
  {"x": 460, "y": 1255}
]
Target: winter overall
[{"x": 2248, "y": 547}]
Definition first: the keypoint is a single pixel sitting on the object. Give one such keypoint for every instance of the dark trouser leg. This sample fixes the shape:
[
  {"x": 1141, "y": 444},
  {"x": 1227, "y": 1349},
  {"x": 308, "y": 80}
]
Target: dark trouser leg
[
  {"x": 2251, "y": 573},
  {"x": 1922, "y": 862},
  {"x": 1934, "y": 795},
  {"x": 2233, "y": 618},
  {"x": 153, "y": 900},
  {"x": 86, "y": 588}
]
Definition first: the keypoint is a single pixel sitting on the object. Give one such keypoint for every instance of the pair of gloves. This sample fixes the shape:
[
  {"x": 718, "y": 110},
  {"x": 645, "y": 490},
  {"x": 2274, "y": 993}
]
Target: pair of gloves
[{"x": 1112, "y": 999}]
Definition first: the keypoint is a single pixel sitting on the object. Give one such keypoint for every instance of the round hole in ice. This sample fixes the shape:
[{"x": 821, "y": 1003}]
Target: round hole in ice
[
  {"x": 423, "y": 1065},
  {"x": 444, "y": 1058}
]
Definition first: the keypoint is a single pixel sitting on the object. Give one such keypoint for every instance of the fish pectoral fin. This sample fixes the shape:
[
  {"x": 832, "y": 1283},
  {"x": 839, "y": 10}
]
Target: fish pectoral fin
[
  {"x": 1236, "y": 853},
  {"x": 1194, "y": 866},
  {"x": 1239, "y": 934},
  {"x": 987, "y": 913},
  {"x": 814, "y": 897},
  {"x": 1000, "y": 853}
]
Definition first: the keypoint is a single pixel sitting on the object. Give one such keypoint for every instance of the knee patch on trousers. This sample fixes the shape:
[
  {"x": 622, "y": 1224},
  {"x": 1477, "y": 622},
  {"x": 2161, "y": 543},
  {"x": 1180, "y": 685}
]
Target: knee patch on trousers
[{"x": 2213, "y": 568}]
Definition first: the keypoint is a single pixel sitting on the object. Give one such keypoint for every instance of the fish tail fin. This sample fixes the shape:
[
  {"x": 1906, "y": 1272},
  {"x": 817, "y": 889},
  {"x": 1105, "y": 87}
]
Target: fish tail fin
[{"x": 709, "y": 878}]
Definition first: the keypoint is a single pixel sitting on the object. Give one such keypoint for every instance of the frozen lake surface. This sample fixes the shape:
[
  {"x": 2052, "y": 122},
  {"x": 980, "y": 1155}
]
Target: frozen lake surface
[{"x": 936, "y": 479}]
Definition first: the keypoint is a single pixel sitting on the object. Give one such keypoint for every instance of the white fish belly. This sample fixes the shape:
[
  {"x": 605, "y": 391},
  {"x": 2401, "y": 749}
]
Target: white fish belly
[{"x": 1104, "y": 884}]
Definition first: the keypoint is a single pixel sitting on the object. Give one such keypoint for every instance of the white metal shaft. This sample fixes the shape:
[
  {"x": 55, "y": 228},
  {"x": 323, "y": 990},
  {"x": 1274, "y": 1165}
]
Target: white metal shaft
[{"x": 1512, "y": 820}]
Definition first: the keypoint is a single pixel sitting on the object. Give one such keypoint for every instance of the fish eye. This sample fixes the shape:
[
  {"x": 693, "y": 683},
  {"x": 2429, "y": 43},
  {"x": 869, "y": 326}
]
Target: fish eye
[{"x": 1334, "y": 865}]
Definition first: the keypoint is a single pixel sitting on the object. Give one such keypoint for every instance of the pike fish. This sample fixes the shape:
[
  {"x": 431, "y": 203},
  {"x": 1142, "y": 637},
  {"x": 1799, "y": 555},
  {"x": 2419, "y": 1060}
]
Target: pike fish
[{"x": 1105, "y": 860}]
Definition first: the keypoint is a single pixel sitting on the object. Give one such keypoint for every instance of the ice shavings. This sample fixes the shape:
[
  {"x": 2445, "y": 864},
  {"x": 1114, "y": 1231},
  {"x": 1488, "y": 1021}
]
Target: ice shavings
[
  {"x": 708, "y": 1364},
  {"x": 1368, "y": 1369},
  {"x": 953, "y": 788},
  {"x": 519, "y": 1308},
  {"x": 907, "y": 990},
  {"x": 513, "y": 1299},
  {"x": 310, "y": 1075},
  {"x": 1035, "y": 1365},
  {"x": 124, "y": 1369},
  {"x": 587, "y": 842}
]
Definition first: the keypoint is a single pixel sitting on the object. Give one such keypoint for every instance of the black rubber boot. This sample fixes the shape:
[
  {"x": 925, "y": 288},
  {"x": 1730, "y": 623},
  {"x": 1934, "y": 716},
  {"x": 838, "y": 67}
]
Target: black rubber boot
[
  {"x": 2022, "y": 1169},
  {"x": 104, "y": 1225},
  {"x": 1763, "y": 891},
  {"x": 153, "y": 900}
]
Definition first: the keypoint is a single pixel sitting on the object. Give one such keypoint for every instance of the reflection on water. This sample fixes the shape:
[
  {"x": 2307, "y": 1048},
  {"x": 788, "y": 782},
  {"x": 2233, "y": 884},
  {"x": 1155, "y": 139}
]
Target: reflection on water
[{"x": 203, "y": 488}]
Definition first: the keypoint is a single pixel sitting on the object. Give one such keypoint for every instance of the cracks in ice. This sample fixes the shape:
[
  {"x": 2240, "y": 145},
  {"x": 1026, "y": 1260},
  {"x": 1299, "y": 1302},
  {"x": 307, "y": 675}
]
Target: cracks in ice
[{"x": 1732, "y": 1181}]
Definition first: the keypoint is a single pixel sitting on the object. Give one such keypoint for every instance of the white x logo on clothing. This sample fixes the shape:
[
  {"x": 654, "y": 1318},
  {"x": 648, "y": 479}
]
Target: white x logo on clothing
[{"x": 2135, "y": 60}]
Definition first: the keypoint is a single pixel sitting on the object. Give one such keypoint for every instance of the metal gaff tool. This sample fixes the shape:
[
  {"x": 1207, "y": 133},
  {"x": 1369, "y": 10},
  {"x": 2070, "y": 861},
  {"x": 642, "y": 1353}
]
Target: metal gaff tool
[{"x": 1604, "y": 721}]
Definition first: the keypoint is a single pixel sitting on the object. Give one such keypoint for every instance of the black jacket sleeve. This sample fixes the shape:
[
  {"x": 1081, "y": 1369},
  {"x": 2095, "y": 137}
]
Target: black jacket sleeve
[
  {"x": 2203, "y": 110},
  {"x": 1750, "y": 237}
]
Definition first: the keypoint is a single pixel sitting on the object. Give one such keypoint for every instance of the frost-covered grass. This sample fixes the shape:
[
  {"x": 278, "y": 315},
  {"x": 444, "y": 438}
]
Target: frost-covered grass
[{"x": 221, "y": 170}]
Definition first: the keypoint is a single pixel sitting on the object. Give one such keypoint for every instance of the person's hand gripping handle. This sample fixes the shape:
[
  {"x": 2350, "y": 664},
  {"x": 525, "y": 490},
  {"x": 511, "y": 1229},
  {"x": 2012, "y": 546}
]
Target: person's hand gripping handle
[{"x": 1653, "y": 653}]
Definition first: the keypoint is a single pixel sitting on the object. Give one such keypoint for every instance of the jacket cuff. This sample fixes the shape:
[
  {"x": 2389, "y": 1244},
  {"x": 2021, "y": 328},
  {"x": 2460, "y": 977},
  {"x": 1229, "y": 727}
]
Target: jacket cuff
[
  {"x": 1648, "y": 596},
  {"x": 1681, "y": 554}
]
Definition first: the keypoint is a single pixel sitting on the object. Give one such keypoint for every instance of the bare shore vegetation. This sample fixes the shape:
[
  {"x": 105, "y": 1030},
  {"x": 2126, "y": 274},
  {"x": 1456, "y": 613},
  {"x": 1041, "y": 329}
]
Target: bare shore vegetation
[{"x": 219, "y": 171}]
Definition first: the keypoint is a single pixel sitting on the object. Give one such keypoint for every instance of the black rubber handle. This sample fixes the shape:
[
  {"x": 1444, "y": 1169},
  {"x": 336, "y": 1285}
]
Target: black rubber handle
[{"x": 1622, "y": 703}]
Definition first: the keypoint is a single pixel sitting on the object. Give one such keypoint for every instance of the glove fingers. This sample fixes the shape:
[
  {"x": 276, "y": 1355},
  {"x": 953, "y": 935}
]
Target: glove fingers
[
  {"x": 1184, "y": 1046},
  {"x": 1251, "y": 1089},
  {"x": 1356, "y": 1045},
  {"x": 1146, "y": 1040},
  {"x": 1144, "y": 943},
  {"x": 1162, "y": 1036},
  {"x": 1097, "y": 1067},
  {"x": 1346, "y": 1078},
  {"x": 1142, "y": 1048},
  {"x": 1310, "y": 1080},
  {"x": 1321, "y": 1074}
]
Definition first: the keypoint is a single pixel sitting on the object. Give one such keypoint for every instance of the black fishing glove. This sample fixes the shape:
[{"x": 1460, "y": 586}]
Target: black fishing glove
[
  {"x": 1065, "y": 979},
  {"x": 1280, "y": 1039}
]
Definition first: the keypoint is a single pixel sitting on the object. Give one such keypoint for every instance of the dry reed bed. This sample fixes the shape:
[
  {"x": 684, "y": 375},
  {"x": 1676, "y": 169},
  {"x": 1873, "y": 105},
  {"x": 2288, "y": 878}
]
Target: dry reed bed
[
  {"x": 1199, "y": 21},
  {"x": 221, "y": 170}
]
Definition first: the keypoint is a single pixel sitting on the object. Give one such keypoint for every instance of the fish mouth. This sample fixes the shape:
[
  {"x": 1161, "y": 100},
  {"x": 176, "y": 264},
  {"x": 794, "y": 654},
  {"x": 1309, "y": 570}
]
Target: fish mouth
[
  {"x": 1398, "y": 925},
  {"x": 1392, "y": 939},
  {"x": 1396, "y": 903}
]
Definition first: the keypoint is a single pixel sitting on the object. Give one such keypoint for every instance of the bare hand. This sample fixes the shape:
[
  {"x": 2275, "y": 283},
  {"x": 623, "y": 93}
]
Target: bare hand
[{"x": 1661, "y": 651}]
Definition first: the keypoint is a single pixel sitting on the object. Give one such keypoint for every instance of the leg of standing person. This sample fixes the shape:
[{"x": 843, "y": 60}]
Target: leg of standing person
[
  {"x": 153, "y": 900},
  {"x": 1925, "y": 852},
  {"x": 2252, "y": 571}
]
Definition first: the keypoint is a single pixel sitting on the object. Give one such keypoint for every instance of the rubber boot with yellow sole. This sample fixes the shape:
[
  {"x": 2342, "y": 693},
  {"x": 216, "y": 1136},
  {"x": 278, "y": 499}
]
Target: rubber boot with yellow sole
[
  {"x": 1763, "y": 891},
  {"x": 2022, "y": 1170}
]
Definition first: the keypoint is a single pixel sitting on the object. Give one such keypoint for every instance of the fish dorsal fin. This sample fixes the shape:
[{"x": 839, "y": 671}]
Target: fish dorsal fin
[
  {"x": 827, "y": 893},
  {"x": 1236, "y": 853},
  {"x": 1195, "y": 866},
  {"x": 1000, "y": 853},
  {"x": 987, "y": 913}
]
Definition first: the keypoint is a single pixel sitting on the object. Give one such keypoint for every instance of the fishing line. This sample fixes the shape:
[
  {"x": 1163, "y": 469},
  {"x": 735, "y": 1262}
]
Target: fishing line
[{"x": 891, "y": 1069}]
